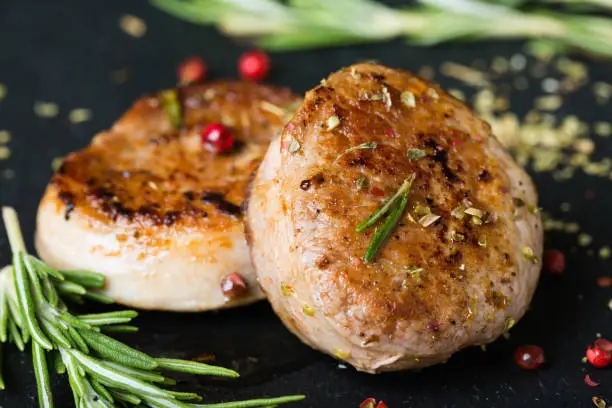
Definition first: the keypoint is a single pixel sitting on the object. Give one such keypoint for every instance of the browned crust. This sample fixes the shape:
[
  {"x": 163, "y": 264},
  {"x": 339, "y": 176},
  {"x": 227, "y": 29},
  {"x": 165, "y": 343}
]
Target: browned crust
[
  {"x": 146, "y": 174},
  {"x": 324, "y": 217}
]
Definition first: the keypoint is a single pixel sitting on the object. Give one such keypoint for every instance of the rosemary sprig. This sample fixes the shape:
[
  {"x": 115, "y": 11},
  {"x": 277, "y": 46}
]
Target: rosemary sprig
[
  {"x": 301, "y": 24},
  {"x": 395, "y": 206},
  {"x": 102, "y": 371},
  {"x": 376, "y": 215}
]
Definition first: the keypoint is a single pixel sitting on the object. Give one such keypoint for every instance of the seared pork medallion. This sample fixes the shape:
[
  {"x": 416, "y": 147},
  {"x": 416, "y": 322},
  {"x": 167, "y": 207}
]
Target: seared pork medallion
[
  {"x": 388, "y": 226},
  {"x": 154, "y": 203}
]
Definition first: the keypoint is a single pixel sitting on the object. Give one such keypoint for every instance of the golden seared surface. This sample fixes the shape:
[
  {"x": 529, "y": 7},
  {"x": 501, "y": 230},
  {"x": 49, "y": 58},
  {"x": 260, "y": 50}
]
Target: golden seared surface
[
  {"x": 433, "y": 288},
  {"x": 155, "y": 210},
  {"x": 145, "y": 173}
]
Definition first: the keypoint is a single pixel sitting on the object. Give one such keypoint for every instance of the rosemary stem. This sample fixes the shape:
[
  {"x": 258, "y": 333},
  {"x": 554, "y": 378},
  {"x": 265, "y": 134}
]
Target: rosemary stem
[{"x": 11, "y": 223}]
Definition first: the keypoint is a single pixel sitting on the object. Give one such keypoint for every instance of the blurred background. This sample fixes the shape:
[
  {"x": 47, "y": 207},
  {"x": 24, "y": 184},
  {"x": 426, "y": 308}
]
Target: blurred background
[{"x": 543, "y": 79}]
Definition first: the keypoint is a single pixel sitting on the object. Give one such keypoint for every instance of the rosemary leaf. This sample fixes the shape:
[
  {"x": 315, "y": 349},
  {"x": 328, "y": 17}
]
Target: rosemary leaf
[
  {"x": 116, "y": 351},
  {"x": 383, "y": 233},
  {"x": 102, "y": 319},
  {"x": 101, "y": 391},
  {"x": 41, "y": 268},
  {"x": 378, "y": 214},
  {"x": 257, "y": 403},
  {"x": 361, "y": 146},
  {"x": 186, "y": 396},
  {"x": 58, "y": 364},
  {"x": 15, "y": 335},
  {"x": 116, "y": 379},
  {"x": 77, "y": 340},
  {"x": 144, "y": 375},
  {"x": 71, "y": 287},
  {"x": 194, "y": 367},
  {"x": 22, "y": 286},
  {"x": 97, "y": 297},
  {"x": 120, "y": 328},
  {"x": 126, "y": 397},
  {"x": 85, "y": 278},
  {"x": 45, "y": 397},
  {"x": 54, "y": 332}
]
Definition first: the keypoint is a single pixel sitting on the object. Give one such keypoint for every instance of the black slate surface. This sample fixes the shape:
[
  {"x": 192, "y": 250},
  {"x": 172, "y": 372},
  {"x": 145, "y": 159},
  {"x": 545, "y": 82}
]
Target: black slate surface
[{"x": 63, "y": 51}]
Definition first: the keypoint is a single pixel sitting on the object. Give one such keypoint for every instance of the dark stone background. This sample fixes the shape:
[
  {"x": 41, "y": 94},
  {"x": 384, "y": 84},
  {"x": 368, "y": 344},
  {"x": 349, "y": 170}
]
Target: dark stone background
[{"x": 63, "y": 51}]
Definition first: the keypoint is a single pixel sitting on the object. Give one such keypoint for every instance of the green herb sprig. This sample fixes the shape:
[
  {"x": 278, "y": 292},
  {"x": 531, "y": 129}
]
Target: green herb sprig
[
  {"x": 103, "y": 372},
  {"x": 394, "y": 207},
  {"x": 303, "y": 24}
]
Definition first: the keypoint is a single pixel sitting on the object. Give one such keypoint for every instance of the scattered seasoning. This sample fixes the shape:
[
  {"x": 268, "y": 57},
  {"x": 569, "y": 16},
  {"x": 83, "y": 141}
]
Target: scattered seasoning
[
  {"x": 529, "y": 255},
  {"x": 588, "y": 381},
  {"x": 218, "y": 137},
  {"x": 518, "y": 62},
  {"x": 56, "y": 163},
  {"x": 468, "y": 75},
  {"x": 457, "y": 236},
  {"x": 333, "y": 122},
  {"x": 287, "y": 289},
  {"x": 529, "y": 357},
  {"x": 294, "y": 146},
  {"x": 272, "y": 108},
  {"x": 584, "y": 239},
  {"x": 172, "y": 107},
  {"x": 190, "y": 70},
  {"x": 548, "y": 103},
  {"x": 5, "y": 136},
  {"x": 396, "y": 206},
  {"x": 475, "y": 212},
  {"x": 408, "y": 99},
  {"x": 416, "y": 154},
  {"x": 341, "y": 354},
  {"x": 308, "y": 311},
  {"x": 482, "y": 243},
  {"x": 233, "y": 286},
  {"x": 429, "y": 219},
  {"x": 599, "y": 402},
  {"x": 361, "y": 146},
  {"x": 433, "y": 94},
  {"x": 602, "y": 129},
  {"x": 3, "y": 92},
  {"x": 554, "y": 261},
  {"x": 387, "y": 98},
  {"x": 550, "y": 85},
  {"x": 5, "y": 152},
  {"x": 457, "y": 93},
  {"x": 46, "y": 109},
  {"x": 362, "y": 182},
  {"x": 79, "y": 115},
  {"x": 254, "y": 65},
  {"x": 458, "y": 212},
  {"x": 132, "y": 25}
]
